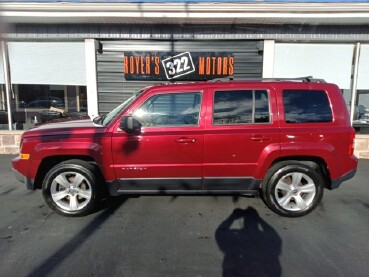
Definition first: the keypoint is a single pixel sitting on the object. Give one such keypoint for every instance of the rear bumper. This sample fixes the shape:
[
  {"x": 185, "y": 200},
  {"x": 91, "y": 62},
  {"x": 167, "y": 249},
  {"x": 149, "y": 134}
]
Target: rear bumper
[
  {"x": 348, "y": 167},
  {"x": 337, "y": 182}
]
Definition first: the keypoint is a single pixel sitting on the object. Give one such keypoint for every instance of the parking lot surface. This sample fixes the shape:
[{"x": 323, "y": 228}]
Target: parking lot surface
[{"x": 184, "y": 236}]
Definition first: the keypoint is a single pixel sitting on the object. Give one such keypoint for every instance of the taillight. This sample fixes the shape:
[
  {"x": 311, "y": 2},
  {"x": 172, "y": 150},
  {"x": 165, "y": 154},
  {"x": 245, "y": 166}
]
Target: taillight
[{"x": 352, "y": 143}]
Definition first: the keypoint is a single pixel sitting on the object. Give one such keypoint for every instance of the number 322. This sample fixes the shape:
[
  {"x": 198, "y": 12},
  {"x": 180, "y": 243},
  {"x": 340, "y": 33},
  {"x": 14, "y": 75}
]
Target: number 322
[{"x": 178, "y": 66}]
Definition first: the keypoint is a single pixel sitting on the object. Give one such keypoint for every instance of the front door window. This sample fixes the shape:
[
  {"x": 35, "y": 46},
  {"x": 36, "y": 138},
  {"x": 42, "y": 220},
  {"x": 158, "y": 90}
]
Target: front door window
[{"x": 172, "y": 109}]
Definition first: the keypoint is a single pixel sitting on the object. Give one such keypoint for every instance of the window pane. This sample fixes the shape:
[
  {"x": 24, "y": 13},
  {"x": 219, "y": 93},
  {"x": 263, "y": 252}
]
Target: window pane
[
  {"x": 41, "y": 103},
  {"x": 304, "y": 106},
  {"x": 236, "y": 107},
  {"x": 361, "y": 113},
  {"x": 3, "y": 109},
  {"x": 261, "y": 106},
  {"x": 173, "y": 109}
]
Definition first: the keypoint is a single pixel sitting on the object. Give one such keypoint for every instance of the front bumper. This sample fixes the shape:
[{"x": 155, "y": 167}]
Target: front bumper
[{"x": 29, "y": 182}]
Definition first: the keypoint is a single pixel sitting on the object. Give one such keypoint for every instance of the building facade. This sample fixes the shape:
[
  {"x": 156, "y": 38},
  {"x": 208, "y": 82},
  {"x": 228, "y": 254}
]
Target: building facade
[{"x": 82, "y": 57}]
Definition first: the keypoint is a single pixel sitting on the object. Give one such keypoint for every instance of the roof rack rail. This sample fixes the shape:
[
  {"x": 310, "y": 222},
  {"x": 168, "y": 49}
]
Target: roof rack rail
[
  {"x": 227, "y": 78},
  {"x": 307, "y": 79}
]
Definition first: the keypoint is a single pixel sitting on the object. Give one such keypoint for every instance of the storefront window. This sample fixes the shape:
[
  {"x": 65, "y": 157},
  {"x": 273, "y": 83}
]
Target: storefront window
[
  {"x": 361, "y": 116},
  {"x": 3, "y": 111},
  {"x": 34, "y": 104},
  {"x": 47, "y": 81}
]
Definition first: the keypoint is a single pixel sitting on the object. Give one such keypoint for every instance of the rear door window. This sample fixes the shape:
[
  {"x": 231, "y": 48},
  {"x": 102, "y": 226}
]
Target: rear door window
[
  {"x": 306, "y": 106},
  {"x": 234, "y": 107}
]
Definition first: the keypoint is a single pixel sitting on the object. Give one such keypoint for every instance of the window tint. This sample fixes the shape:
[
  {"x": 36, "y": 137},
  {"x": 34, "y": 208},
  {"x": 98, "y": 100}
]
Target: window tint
[
  {"x": 261, "y": 106},
  {"x": 172, "y": 109},
  {"x": 304, "y": 106},
  {"x": 241, "y": 107}
]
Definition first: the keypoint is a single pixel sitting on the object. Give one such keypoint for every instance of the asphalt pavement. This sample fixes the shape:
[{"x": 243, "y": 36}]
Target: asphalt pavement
[{"x": 184, "y": 236}]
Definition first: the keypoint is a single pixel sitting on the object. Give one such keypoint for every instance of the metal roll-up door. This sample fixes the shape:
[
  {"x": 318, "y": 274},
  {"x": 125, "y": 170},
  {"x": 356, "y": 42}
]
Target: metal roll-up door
[
  {"x": 110, "y": 80},
  {"x": 1, "y": 70},
  {"x": 113, "y": 89},
  {"x": 49, "y": 63},
  {"x": 292, "y": 60}
]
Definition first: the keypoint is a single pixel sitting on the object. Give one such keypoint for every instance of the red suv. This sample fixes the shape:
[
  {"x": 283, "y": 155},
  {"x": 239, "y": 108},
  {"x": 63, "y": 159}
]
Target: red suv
[{"x": 284, "y": 140}]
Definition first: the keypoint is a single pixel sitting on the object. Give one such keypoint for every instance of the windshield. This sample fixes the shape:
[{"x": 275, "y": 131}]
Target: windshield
[{"x": 107, "y": 118}]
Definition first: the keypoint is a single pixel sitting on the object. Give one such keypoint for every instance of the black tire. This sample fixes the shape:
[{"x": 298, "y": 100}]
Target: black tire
[
  {"x": 292, "y": 189},
  {"x": 76, "y": 199}
]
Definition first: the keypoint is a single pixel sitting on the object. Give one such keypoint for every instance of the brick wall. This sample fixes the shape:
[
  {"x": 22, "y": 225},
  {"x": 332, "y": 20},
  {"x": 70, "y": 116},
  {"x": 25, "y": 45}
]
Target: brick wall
[
  {"x": 362, "y": 146},
  {"x": 9, "y": 142}
]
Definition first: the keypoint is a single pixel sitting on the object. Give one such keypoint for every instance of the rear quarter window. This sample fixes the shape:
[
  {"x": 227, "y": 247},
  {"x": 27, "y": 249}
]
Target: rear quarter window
[{"x": 306, "y": 106}]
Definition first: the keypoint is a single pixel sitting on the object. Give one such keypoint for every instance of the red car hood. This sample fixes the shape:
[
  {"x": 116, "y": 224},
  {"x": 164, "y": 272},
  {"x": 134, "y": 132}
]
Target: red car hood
[{"x": 65, "y": 127}]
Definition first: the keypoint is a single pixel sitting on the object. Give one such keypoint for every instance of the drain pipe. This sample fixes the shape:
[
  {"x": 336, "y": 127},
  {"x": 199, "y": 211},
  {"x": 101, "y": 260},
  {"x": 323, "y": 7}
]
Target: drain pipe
[
  {"x": 354, "y": 81},
  {"x": 4, "y": 50}
]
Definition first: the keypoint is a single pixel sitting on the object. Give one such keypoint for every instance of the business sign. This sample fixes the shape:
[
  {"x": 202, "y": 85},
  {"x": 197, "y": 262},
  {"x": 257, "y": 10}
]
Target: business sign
[{"x": 189, "y": 66}]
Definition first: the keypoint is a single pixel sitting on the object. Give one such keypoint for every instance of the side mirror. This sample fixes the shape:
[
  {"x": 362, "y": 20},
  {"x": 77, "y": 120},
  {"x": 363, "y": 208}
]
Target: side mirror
[{"x": 129, "y": 124}]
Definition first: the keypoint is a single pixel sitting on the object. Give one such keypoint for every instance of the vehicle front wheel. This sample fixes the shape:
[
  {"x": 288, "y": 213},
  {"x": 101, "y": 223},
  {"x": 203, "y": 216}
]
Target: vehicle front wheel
[
  {"x": 70, "y": 188},
  {"x": 292, "y": 189}
]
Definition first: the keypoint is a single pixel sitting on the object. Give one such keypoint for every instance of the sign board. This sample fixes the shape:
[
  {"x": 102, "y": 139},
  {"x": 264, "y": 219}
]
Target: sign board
[{"x": 186, "y": 66}]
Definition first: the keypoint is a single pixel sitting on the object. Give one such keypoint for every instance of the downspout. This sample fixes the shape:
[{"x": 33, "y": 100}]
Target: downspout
[
  {"x": 4, "y": 50},
  {"x": 354, "y": 81}
]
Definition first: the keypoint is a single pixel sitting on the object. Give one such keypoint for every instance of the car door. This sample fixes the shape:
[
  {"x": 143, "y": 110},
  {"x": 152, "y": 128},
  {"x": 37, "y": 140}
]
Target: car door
[
  {"x": 241, "y": 131},
  {"x": 167, "y": 153}
]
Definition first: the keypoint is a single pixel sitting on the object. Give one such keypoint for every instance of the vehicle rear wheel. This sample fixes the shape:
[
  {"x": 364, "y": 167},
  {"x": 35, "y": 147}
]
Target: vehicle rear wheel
[
  {"x": 292, "y": 189},
  {"x": 70, "y": 188}
]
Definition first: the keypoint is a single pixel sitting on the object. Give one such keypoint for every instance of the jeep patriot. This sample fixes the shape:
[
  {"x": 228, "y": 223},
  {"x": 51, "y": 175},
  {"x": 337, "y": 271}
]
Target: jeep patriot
[{"x": 285, "y": 140}]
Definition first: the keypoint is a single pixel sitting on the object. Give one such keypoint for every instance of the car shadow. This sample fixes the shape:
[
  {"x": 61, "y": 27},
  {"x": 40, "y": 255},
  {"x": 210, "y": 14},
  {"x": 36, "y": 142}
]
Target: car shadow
[
  {"x": 54, "y": 260},
  {"x": 365, "y": 204},
  {"x": 250, "y": 249}
]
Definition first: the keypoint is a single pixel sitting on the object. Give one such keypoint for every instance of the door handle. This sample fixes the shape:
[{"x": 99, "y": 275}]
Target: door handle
[
  {"x": 186, "y": 140},
  {"x": 260, "y": 138}
]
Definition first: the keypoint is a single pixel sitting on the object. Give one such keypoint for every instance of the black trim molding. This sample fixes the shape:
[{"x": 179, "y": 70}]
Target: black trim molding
[{"x": 183, "y": 186}]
